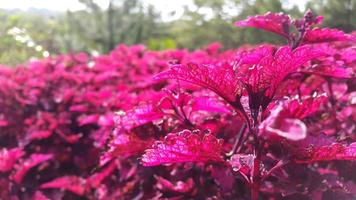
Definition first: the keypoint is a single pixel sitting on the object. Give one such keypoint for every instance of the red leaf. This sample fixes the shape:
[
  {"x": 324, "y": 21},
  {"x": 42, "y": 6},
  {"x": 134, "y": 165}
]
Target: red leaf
[
  {"x": 180, "y": 186},
  {"x": 139, "y": 115},
  {"x": 274, "y": 22},
  {"x": 307, "y": 107},
  {"x": 125, "y": 145},
  {"x": 209, "y": 104},
  {"x": 74, "y": 184},
  {"x": 285, "y": 119},
  {"x": 39, "y": 196},
  {"x": 319, "y": 35},
  {"x": 330, "y": 71},
  {"x": 264, "y": 69},
  {"x": 242, "y": 163},
  {"x": 3, "y": 123},
  {"x": 185, "y": 146},
  {"x": 255, "y": 56},
  {"x": 26, "y": 165},
  {"x": 8, "y": 158},
  {"x": 96, "y": 179},
  {"x": 221, "y": 79},
  {"x": 88, "y": 119},
  {"x": 334, "y": 151},
  {"x": 173, "y": 100},
  {"x": 38, "y": 134}
]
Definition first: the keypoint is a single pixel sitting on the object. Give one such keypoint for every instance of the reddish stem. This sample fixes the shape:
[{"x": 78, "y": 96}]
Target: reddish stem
[
  {"x": 256, "y": 179},
  {"x": 238, "y": 141},
  {"x": 256, "y": 176}
]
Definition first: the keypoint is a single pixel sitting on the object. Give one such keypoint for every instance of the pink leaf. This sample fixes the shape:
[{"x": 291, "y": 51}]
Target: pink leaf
[
  {"x": 209, "y": 104},
  {"x": 74, "y": 184},
  {"x": 278, "y": 23},
  {"x": 279, "y": 123},
  {"x": 292, "y": 129},
  {"x": 39, "y": 196},
  {"x": 125, "y": 145},
  {"x": 334, "y": 151},
  {"x": 139, "y": 115},
  {"x": 26, "y": 165},
  {"x": 38, "y": 134},
  {"x": 285, "y": 118},
  {"x": 307, "y": 107},
  {"x": 220, "y": 79},
  {"x": 255, "y": 56},
  {"x": 88, "y": 119},
  {"x": 8, "y": 158},
  {"x": 263, "y": 69},
  {"x": 96, "y": 179},
  {"x": 330, "y": 71},
  {"x": 180, "y": 186},
  {"x": 3, "y": 123},
  {"x": 185, "y": 146},
  {"x": 242, "y": 163},
  {"x": 79, "y": 108},
  {"x": 213, "y": 48},
  {"x": 173, "y": 100},
  {"x": 319, "y": 35}
]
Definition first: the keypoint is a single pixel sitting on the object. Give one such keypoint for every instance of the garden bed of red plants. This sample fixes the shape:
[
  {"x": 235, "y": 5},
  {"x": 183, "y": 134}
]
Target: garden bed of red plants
[{"x": 257, "y": 122}]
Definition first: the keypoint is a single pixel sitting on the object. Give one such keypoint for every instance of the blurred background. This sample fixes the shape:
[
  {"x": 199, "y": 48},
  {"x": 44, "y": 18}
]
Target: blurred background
[{"x": 33, "y": 29}]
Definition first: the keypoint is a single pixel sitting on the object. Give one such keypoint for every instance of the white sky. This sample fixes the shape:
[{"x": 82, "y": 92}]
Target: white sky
[{"x": 163, "y": 6}]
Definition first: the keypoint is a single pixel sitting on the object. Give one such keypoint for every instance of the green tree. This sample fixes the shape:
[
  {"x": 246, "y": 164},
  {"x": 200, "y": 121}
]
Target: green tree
[{"x": 339, "y": 14}]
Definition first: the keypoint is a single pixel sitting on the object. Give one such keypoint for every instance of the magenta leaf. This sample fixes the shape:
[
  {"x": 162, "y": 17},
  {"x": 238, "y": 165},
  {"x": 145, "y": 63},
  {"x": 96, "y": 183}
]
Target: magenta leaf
[
  {"x": 179, "y": 187},
  {"x": 330, "y": 71},
  {"x": 285, "y": 118},
  {"x": 185, "y": 146},
  {"x": 209, "y": 104},
  {"x": 319, "y": 35},
  {"x": 334, "y": 151},
  {"x": 23, "y": 167},
  {"x": 88, "y": 119},
  {"x": 213, "y": 48},
  {"x": 139, "y": 115},
  {"x": 255, "y": 56},
  {"x": 73, "y": 184},
  {"x": 220, "y": 79},
  {"x": 242, "y": 163},
  {"x": 125, "y": 145},
  {"x": 8, "y": 158},
  {"x": 96, "y": 179},
  {"x": 278, "y": 23},
  {"x": 223, "y": 177},
  {"x": 264, "y": 69},
  {"x": 173, "y": 100},
  {"x": 39, "y": 196},
  {"x": 38, "y": 134}
]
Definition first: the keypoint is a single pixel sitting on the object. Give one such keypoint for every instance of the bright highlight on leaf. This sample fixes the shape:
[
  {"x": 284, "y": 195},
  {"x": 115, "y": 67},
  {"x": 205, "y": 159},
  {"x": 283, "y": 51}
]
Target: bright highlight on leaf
[
  {"x": 278, "y": 23},
  {"x": 185, "y": 146}
]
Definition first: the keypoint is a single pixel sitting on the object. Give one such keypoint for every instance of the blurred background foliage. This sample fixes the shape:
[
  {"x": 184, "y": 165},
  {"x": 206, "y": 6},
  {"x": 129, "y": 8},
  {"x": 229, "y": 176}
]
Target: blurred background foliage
[{"x": 96, "y": 30}]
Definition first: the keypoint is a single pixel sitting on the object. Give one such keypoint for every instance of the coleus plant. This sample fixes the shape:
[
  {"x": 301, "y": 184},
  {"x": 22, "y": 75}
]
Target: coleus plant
[
  {"x": 257, "y": 122},
  {"x": 273, "y": 120}
]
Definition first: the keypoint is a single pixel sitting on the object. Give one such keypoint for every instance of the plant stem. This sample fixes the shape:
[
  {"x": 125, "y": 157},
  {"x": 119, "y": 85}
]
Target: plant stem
[
  {"x": 256, "y": 176},
  {"x": 331, "y": 95},
  {"x": 238, "y": 141},
  {"x": 279, "y": 165},
  {"x": 256, "y": 181}
]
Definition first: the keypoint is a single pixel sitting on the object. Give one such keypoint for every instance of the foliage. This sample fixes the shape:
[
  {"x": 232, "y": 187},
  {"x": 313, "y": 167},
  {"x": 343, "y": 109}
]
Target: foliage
[
  {"x": 96, "y": 30},
  {"x": 257, "y": 122}
]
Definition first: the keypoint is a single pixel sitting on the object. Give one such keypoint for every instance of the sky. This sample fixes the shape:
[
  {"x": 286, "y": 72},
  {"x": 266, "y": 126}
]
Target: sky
[{"x": 163, "y": 6}]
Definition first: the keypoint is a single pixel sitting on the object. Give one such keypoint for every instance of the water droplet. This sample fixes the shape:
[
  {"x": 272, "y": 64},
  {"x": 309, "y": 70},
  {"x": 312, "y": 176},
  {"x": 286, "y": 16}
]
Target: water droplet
[{"x": 235, "y": 169}]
